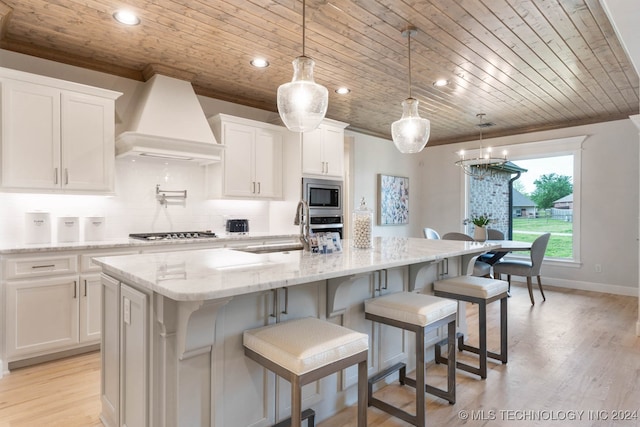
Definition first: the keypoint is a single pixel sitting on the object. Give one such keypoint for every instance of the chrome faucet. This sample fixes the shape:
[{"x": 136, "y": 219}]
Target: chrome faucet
[{"x": 302, "y": 219}]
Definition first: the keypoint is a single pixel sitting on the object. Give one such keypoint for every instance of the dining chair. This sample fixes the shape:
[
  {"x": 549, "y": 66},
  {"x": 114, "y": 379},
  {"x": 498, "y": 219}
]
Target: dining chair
[
  {"x": 480, "y": 268},
  {"x": 493, "y": 234},
  {"x": 430, "y": 233},
  {"x": 528, "y": 268}
]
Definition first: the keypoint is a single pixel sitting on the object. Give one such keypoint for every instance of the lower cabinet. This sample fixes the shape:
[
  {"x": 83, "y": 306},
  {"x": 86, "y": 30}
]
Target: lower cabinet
[
  {"x": 266, "y": 400},
  {"x": 42, "y": 315},
  {"x": 124, "y": 389},
  {"x": 89, "y": 297}
]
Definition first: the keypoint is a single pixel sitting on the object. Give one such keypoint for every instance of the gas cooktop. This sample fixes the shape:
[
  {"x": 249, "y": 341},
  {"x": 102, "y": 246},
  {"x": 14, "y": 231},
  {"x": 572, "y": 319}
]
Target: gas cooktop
[{"x": 171, "y": 235}]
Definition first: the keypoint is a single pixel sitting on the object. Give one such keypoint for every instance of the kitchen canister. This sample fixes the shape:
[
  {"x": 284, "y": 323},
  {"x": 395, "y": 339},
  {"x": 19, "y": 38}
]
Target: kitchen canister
[
  {"x": 362, "y": 226},
  {"x": 94, "y": 228},
  {"x": 37, "y": 227},
  {"x": 68, "y": 229}
]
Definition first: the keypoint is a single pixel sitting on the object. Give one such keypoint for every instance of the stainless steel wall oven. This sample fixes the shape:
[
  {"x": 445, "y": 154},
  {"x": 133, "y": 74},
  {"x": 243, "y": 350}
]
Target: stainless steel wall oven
[{"x": 325, "y": 204}]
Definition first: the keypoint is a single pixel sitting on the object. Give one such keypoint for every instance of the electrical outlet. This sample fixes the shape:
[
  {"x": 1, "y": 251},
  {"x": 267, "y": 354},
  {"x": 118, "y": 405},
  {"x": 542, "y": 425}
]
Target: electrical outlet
[
  {"x": 598, "y": 268},
  {"x": 127, "y": 311}
]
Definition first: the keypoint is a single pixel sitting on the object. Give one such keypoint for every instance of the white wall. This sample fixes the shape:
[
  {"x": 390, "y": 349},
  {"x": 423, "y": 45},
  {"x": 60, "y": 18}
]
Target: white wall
[{"x": 371, "y": 156}]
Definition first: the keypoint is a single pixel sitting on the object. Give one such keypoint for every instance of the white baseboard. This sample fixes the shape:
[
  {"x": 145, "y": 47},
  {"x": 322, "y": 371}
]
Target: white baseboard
[{"x": 589, "y": 286}]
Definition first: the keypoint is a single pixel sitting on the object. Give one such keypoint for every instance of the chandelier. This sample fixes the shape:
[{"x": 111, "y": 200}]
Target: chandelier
[
  {"x": 302, "y": 103},
  {"x": 485, "y": 162},
  {"x": 411, "y": 133}
]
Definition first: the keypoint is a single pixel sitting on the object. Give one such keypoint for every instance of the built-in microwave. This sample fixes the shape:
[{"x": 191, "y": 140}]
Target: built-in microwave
[{"x": 323, "y": 196}]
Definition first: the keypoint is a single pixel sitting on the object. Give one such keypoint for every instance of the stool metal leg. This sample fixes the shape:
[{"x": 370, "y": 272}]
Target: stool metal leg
[
  {"x": 296, "y": 401},
  {"x": 420, "y": 379},
  {"x": 362, "y": 394}
]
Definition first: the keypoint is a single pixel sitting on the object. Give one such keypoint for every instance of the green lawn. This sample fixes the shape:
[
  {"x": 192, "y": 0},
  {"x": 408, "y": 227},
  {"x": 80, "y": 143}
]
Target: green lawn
[{"x": 559, "y": 246}]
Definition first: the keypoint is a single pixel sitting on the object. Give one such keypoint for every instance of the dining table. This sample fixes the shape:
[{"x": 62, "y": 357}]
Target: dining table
[{"x": 506, "y": 246}]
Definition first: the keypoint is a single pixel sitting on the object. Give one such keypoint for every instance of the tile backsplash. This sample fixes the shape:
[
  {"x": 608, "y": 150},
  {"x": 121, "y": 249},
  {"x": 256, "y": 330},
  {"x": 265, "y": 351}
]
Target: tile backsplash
[{"x": 135, "y": 209}]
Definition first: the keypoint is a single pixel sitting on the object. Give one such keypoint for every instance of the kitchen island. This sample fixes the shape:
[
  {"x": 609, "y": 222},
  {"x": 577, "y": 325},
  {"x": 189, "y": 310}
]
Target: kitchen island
[{"x": 172, "y": 326}]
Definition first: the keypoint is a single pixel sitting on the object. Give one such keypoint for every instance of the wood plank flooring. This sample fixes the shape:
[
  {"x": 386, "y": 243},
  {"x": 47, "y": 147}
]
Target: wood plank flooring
[{"x": 574, "y": 360}]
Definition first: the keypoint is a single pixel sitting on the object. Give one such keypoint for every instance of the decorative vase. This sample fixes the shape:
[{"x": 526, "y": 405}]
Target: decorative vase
[{"x": 480, "y": 234}]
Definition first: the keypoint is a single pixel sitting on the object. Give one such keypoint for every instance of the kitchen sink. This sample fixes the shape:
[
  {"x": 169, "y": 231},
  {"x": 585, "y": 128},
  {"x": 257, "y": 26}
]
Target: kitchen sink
[{"x": 267, "y": 249}]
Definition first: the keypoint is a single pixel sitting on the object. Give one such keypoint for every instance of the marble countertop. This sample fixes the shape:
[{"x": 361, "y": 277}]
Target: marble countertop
[
  {"x": 8, "y": 249},
  {"x": 218, "y": 273}
]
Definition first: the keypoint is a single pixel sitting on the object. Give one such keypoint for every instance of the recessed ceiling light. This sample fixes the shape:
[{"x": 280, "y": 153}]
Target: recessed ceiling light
[
  {"x": 343, "y": 90},
  {"x": 260, "y": 63},
  {"x": 126, "y": 17},
  {"x": 441, "y": 82}
]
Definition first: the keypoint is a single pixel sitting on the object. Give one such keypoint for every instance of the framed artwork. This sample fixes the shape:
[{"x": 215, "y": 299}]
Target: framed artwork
[{"x": 393, "y": 197}]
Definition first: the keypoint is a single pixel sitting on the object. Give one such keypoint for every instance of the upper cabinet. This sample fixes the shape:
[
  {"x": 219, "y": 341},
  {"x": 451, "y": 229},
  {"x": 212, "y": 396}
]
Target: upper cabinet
[
  {"x": 252, "y": 162},
  {"x": 57, "y": 136},
  {"x": 323, "y": 150}
]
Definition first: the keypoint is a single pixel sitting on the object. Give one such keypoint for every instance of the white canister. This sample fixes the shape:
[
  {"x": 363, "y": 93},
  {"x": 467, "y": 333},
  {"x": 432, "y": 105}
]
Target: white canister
[
  {"x": 68, "y": 229},
  {"x": 37, "y": 227},
  {"x": 94, "y": 228}
]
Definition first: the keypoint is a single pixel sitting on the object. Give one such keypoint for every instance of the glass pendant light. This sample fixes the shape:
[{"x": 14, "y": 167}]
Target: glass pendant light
[
  {"x": 302, "y": 103},
  {"x": 411, "y": 133}
]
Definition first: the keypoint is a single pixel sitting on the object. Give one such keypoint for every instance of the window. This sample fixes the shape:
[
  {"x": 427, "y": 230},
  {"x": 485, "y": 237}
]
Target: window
[{"x": 553, "y": 164}]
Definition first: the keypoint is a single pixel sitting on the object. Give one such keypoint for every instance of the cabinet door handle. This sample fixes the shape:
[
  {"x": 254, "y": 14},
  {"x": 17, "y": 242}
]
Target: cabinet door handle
[
  {"x": 273, "y": 310},
  {"x": 258, "y": 187},
  {"x": 253, "y": 187},
  {"x": 386, "y": 279},
  {"x": 286, "y": 301},
  {"x": 376, "y": 283},
  {"x": 85, "y": 287},
  {"x": 66, "y": 176},
  {"x": 55, "y": 175},
  {"x": 75, "y": 289},
  {"x": 43, "y": 266}
]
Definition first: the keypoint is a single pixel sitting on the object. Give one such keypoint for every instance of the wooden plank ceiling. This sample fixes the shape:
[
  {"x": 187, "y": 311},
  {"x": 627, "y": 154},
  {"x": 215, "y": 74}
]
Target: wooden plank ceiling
[{"x": 527, "y": 64}]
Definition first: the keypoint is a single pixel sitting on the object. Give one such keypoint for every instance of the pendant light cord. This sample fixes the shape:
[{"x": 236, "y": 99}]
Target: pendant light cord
[
  {"x": 409, "y": 47},
  {"x": 303, "y": 25}
]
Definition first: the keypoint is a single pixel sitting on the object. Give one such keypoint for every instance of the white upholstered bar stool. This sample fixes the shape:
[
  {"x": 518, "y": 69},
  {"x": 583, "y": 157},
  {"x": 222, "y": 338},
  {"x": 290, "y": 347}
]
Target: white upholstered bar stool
[
  {"x": 305, "y": 350},
  {"x": 481, "y": 291},
  {"x": 420, "y": 314}
]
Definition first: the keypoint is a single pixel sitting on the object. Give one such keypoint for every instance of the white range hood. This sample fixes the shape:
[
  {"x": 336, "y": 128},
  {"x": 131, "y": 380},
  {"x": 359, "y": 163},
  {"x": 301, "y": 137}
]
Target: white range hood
[{"x": 168, "y": 123}]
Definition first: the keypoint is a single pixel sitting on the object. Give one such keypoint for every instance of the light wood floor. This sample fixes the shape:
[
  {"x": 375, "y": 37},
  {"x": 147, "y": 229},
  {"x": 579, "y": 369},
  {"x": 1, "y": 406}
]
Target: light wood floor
[{"x": 575, "y": 352}]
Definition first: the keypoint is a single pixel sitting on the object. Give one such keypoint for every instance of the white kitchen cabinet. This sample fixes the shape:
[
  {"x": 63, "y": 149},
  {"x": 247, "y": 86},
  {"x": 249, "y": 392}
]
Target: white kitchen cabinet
[
  {"x": 134, "y": 337},
  {"x": 252, "y": 161},
  {"x": 42, "y": 315},
  {"x": 56, "y": 136},
  {"x": 110, "y": 352},
  {"x": 52, "y": 302},
  {"x": 323, "y": 150},
  {"x": 266, "y": 401},
  {"x": 90, "y": 307},
  {"x": 124, "y": 385}
]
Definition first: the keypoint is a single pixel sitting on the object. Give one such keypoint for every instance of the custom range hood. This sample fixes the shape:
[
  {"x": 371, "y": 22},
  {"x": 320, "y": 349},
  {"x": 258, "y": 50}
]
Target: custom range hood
[{"x": 168, "y": 123}]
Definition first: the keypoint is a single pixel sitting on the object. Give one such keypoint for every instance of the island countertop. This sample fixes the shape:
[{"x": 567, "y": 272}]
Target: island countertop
[{"x": 220, "y": 273}]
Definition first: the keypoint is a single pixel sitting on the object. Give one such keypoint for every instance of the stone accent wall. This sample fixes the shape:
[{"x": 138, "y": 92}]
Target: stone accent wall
[{"x": 490, "y": 196}]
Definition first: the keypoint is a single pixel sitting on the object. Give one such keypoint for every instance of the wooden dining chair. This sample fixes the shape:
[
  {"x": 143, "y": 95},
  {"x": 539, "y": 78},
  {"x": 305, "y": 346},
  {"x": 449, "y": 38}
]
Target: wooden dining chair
[{"x": 526, "y": 268}]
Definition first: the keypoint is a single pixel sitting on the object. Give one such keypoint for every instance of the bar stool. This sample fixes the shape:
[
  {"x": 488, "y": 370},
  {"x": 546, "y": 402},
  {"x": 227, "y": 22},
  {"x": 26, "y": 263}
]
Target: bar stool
[
  {"x": 481, "y": 291},
  {"x": 305, "y": 350},
  {"x": 420, "y": 314}
]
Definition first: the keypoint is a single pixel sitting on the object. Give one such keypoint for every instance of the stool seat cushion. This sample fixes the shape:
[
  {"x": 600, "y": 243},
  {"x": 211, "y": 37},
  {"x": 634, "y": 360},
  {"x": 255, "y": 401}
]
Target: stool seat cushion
[
  {"x": 303, "y": 345},
  {"x": 409, "y": 307},
  {"x": 478, "y": 287}
]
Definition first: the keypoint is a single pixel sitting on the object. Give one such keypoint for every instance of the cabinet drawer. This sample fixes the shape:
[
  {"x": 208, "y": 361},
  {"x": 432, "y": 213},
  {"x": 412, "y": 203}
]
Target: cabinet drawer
[
  {"x": 87, "y": 265},
  {"x": 18, "y": 268}
]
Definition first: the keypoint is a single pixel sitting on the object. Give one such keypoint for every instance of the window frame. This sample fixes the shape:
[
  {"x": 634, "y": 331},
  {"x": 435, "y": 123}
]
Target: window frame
[{"x": 542, "y": 149}]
